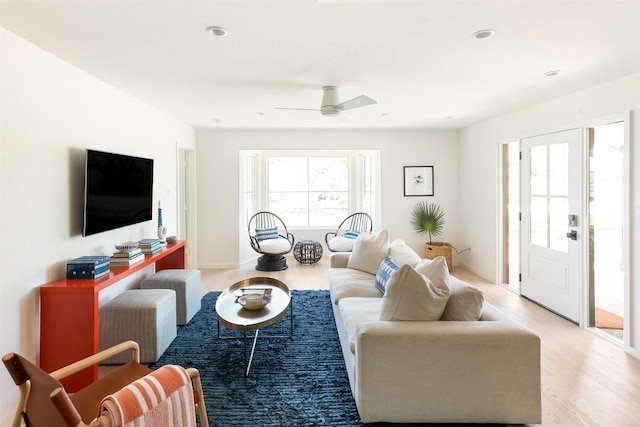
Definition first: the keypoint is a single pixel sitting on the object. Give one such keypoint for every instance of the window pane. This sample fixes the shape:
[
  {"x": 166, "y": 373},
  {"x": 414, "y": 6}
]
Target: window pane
[
  {"x": 539, "y": 170},
  {"x": 539, "y": 217},
  {"x": 559, "y": 167},
  {"x": 328, "y": 208},
  {"x": 290, "y": 207},
  {"x": 328, "y": 174},
  {"x": 558, "y": 214},
  {"x": 288, "y": 174}
]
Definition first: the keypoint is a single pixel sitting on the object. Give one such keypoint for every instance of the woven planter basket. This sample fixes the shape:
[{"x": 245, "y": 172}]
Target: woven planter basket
[{"x": 435, "y": 249}]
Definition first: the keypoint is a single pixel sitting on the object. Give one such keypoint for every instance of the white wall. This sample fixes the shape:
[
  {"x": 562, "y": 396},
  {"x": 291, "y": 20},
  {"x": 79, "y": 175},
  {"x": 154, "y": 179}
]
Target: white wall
[
  {"x": 223, "y": 241},
  {"x": 50, "y": 113},
  {"x": 480, "y": 169}
]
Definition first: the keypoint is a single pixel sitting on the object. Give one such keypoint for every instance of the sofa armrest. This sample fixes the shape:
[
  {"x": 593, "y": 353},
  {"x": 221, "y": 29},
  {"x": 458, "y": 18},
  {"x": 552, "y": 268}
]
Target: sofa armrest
[
  {"x": 483, "y": 371},
  {"x": 339, "y": 259}
]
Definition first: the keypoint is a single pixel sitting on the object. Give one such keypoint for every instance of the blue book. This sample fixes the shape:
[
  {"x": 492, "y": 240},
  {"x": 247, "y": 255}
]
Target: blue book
[{"x": 90, "y": 259}]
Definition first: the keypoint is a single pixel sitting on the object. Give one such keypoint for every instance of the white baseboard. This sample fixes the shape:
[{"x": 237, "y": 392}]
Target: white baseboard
[{"x": 482, "y": 274}]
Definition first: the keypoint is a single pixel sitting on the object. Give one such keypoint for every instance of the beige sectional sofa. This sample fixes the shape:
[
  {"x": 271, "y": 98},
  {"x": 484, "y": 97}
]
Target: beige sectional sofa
[{"x": 464, "y": 371}]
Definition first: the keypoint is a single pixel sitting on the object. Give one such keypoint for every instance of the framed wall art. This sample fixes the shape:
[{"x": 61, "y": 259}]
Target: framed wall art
[{"x": 418, "y": 181}]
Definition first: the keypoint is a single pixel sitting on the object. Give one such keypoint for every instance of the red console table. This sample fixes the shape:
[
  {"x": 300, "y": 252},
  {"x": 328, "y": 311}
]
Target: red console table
[{"x": 69, "y": 327}]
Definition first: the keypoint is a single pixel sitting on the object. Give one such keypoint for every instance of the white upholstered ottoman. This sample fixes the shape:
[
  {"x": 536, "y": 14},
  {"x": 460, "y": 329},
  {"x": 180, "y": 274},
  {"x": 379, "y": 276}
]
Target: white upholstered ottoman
[
  {"x": 186, "y": 283},
  {"x": 147, "y": 316}
]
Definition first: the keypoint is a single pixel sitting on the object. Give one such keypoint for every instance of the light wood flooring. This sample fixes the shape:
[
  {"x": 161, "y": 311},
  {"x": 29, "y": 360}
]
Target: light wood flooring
[{"x": 587, "y": 380}]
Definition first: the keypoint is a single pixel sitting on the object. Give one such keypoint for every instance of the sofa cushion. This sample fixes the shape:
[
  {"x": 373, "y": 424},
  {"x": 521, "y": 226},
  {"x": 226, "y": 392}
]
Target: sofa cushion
[
  {"x": 341, "y": 244},
  {"x": 403, "y": 254},
  {"x": 465, "y": 302},
  {"x": 346, "y": 282},
  {"x": 412, "y": 296},
  {"x": 368, "y": 251},
  {"x": 436, "y": 270},
  {"x": 387, "y": 267},
  {"x": 357, "y": 310}
]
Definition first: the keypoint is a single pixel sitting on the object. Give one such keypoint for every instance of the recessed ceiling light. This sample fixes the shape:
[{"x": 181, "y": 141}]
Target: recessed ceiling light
[
  {"x": 552, "y": 73},
  {"x": 484, "y": 34},
  {"x": 217, "y": 31}
]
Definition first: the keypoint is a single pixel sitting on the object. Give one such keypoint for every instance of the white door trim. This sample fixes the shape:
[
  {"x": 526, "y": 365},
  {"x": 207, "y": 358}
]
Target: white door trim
[{"x": 186, "y": 182}]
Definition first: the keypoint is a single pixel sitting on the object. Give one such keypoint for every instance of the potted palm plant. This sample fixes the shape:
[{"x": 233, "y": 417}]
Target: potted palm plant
[{"x": 428, "y": 218}]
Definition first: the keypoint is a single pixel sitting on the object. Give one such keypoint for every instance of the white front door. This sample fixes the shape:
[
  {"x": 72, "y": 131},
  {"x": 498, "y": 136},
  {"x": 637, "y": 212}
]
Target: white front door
[{"x": 551, "y": 221}]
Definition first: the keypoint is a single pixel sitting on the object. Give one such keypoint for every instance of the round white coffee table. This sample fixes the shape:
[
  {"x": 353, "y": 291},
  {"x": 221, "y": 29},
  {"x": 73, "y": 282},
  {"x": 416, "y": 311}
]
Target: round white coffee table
[{"x": 233, "y": 315}]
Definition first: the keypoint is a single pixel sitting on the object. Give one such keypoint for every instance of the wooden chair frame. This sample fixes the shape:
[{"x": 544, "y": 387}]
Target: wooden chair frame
[{"x": 62, "y": 403}]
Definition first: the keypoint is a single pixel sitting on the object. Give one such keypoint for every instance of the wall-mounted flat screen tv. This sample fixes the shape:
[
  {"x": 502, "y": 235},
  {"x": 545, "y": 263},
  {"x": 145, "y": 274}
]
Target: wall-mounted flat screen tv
[{"x": 118, "y": 191}]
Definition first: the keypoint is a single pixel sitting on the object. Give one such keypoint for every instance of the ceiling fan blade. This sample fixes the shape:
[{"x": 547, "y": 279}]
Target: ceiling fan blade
[
  {"x": 357, "y": 102},
  {"x": 300, "y": 109},
  {"x": 346, "y": 117}
]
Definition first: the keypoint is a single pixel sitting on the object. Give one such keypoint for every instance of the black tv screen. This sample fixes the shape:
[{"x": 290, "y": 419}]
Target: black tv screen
[{"x": 118, "y": 191}]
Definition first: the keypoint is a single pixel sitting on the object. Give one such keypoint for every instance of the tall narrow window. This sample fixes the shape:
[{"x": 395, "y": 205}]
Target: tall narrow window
[
  {"x": 249, "y": 195},
  {"x": 368, "y": 162}
]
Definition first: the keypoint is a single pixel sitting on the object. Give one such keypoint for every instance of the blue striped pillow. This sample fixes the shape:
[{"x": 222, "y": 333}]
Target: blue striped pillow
[
  {"x": 350, "y": 234},
  {"x": 387, "y": 267},
  {"x": 266, "y": 233}
]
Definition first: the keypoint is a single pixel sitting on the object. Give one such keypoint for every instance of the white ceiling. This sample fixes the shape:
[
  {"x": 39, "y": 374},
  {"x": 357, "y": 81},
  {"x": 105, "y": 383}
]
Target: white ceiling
[{"x": 418, "y": 59}]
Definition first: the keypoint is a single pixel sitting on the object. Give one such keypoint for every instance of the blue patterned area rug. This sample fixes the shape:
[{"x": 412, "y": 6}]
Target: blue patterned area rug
[{"x": 300, "y": 381}]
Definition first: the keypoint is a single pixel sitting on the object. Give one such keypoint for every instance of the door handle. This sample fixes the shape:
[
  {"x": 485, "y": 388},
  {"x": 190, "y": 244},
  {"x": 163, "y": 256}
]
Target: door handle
[{"x": 573, "y": 235}]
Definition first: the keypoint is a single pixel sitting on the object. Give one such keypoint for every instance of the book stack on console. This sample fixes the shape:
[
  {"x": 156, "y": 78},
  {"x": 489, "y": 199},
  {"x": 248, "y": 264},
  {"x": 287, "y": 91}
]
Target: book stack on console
[
  {"x": 88, "y": 267},
  {"x": 127, "y": 257},
  {"x": 150, "y": 246}
]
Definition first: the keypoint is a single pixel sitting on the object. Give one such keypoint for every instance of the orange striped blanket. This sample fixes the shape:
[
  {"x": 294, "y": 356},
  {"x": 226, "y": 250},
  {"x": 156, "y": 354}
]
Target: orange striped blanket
[{"x": 162, "y": 398}]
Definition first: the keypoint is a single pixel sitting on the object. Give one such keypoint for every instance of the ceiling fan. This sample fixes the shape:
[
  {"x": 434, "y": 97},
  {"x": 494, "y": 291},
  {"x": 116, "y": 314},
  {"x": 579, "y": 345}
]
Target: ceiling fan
[{"x": 330, "y": 106}]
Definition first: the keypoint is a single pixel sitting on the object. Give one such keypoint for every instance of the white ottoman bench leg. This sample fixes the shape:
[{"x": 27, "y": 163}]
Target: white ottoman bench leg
[
  {"x": 147, "y": 316},
  {"x": 186, "y": 283}
]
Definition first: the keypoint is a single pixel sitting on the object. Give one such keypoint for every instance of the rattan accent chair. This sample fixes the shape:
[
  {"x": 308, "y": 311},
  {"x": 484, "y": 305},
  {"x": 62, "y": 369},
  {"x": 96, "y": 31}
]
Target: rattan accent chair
[
  {"x": 45, "y": 403},
  {"x": 270, "y": 238},
  {"x": 354, "y": 223}
]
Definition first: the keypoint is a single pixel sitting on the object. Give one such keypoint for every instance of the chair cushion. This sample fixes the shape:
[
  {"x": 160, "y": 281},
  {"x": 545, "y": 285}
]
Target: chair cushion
[
  {"x": 369, "y": 251},
  {"x": 275, "y": 246},
  {"x": 412, "y": 296},
  {"x": 266, "y": 233},
  {"x": 341, "y": 244}
]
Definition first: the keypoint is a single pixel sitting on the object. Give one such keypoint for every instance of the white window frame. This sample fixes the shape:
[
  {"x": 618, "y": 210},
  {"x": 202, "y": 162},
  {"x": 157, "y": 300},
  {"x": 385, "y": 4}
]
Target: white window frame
[{"x": 356, "y": 197}]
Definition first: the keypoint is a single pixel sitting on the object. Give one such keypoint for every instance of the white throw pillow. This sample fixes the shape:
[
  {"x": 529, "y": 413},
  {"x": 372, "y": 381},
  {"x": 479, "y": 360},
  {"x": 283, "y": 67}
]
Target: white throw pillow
[
  {"x": 369, "y": 251},
  {"x": 412, "y": 296},
  {"x": 465, "y": 302},
  {"x": 403, "y": 254},
  {"x": 436, "y": 270}
]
